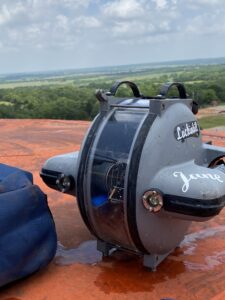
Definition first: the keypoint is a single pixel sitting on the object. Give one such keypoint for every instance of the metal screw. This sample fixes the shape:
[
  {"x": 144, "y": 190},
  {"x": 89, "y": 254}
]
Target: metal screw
[
  {"x": 64, "y": 183},
  {"x": 152, "y": 201}
]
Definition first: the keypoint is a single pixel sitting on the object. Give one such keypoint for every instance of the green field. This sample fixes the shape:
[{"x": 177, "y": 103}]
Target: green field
[
  {"x": 213, "y": 121},
  {"x": 69, "y": 94}
]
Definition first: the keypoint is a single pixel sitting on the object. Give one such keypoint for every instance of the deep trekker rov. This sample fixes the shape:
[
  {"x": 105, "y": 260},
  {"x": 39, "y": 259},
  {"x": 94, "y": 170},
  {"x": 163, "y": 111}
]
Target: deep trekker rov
[{"x": 142, "y": 174}]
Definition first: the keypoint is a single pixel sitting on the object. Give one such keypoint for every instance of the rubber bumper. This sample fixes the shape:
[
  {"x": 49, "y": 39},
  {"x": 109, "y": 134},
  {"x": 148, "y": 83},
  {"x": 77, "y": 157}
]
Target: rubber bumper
[
  {"x": 28, "y": 239},
  {"x": 193, "y": 207}
]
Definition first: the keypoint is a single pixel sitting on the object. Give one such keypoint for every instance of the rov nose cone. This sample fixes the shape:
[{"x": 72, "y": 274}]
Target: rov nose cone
[{"x": 152, "y": 201}]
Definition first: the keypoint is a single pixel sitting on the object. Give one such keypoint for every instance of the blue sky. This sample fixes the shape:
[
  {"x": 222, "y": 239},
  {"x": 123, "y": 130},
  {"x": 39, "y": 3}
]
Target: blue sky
[{"x": 60, "y": 34}]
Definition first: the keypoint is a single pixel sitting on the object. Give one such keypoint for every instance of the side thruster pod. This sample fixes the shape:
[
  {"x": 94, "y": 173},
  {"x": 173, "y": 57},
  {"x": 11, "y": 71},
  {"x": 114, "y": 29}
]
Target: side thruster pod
[{"x": 143, "y": 173}]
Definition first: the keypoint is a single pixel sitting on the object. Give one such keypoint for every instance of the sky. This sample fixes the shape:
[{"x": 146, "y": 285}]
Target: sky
[{"x": 38, "y": 35}]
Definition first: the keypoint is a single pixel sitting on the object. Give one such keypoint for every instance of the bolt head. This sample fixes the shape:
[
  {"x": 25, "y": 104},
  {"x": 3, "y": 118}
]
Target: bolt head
[{"x": 152, "y": 201}]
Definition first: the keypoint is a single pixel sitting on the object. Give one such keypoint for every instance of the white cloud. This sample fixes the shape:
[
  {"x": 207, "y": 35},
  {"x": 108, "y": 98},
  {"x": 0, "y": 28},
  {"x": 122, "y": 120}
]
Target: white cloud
[
  {"x": 206, "y": 2},
  {"x": 87, "y": 22},
  {"x": 9, "y": 13},
  {"x": 161, "y": 4},
  {"x": 140, "y": 20},
  {"x": 33, "y": 31},
  {"x": 61, "y": 25},
  {"x": 72, "y": 4},
  {"x": 62, "y": 22},
  {"x": 66, "y": 22},
  {"x": 131, "y": 29},
  {"x": 123, "y": 9},
  {"x": 207, "y": 24},
  {"x": 44, "y": 23}
]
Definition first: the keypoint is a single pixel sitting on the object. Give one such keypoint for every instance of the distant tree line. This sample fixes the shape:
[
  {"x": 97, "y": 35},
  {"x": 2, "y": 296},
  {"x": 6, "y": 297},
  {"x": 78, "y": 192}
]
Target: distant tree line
[
  {"x": 77, "y": 101},
  {"x": 51, "y": 102}
]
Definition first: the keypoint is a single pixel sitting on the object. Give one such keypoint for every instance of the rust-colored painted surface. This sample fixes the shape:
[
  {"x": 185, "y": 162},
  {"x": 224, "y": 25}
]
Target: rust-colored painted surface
[
  {"x": 194, "y": 271},
  {"x": 212, "y": 111}
]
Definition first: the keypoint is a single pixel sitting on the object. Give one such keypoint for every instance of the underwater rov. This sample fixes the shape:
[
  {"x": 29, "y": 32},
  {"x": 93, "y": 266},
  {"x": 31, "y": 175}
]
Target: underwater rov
[{"x": 142, "y": 174}]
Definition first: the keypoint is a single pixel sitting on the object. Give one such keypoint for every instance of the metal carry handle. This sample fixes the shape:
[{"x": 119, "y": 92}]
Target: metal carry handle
[
  {"x": 130, "y": 84},
  {"x": 180, "y": 87}
]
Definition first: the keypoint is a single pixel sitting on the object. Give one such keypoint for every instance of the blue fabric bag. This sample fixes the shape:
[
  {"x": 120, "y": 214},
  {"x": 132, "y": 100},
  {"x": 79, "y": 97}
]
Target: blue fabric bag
[{"x": 27, "y": 232}]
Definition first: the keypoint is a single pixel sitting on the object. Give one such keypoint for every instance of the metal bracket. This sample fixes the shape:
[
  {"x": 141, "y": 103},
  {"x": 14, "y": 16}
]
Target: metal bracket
[
  {"x": 151, "y": 261},
  {"x": 104, "y": 247}
]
